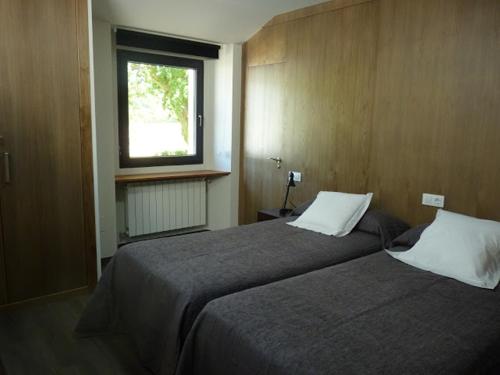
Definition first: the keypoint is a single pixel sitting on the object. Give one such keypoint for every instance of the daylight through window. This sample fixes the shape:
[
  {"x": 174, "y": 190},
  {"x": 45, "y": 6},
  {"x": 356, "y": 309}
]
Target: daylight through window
[{"x": 160, "y": 109}]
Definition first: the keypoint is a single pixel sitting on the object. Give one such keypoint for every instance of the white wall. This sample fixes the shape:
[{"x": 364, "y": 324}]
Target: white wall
[
  {"x": 221, "y": 137},
  {"x": 227, "y": 95},
  {"x": 105, "y": 135}
]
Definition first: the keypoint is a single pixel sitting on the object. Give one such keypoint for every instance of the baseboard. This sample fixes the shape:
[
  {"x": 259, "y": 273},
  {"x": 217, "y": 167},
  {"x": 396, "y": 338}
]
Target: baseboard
[
  {"x": 125, "y": 240},
  {"x": 44, "y": 299}
]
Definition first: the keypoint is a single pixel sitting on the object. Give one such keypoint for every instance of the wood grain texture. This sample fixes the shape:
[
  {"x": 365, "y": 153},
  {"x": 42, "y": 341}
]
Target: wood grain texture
[
  {"x": 328, "y": 6},
  {"x": 86, "y": 143},
  {"x": 44, "y": 116},
  {"x": 241, "y": 188},
  {"x": 39, "y": 339},
  {"x": 398, "y": 97},
  {"x": 123, "y": 179},
  {"x": 44, "y": 299},
  {"x": 263, "y": 183},
  {"x": 267, "y": 48},
  {"x": 438, "y": 79},
  {"x": 311, "y": 110}
]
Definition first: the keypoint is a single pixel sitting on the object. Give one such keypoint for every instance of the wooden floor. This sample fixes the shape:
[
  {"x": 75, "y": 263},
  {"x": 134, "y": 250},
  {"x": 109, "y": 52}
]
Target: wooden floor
[{"x": 39, "y": 339}]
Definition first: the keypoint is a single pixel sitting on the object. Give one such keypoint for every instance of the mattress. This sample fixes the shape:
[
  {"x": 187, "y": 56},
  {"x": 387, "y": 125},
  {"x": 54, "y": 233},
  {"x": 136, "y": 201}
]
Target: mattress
[
  {"x": 372, "y": 315},
  {"x": 154, "y": 290}
]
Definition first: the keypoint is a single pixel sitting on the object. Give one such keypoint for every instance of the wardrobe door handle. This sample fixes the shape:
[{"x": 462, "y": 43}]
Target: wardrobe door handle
[{"x": 6, "y": 167}]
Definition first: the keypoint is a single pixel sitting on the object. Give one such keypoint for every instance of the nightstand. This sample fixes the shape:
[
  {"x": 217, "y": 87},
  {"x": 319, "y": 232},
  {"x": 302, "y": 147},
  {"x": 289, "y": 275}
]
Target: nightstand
[{"x": 270, "y": 214}]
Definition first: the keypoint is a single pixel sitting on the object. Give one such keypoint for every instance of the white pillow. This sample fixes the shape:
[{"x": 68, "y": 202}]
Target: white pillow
[
  {"x": 458, "y": 246},
  {"x": 332, "y": 213}
]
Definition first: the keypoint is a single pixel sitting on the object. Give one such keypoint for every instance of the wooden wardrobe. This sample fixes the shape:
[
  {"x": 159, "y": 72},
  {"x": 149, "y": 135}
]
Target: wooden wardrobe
[{"x": 46, "y": 197}]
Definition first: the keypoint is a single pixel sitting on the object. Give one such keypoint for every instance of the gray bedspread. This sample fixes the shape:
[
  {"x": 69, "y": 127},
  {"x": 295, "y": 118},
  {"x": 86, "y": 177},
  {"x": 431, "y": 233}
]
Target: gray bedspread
[
  {"x": 154, "y": 290},
  {"x": 373, "y": 315}
]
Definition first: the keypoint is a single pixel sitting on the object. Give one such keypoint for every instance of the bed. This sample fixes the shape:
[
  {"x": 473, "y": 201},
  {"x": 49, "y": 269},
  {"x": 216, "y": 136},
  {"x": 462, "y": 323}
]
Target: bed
[
  {"x": 372, "y": 315},
  {"x": 154, "y": 290}
]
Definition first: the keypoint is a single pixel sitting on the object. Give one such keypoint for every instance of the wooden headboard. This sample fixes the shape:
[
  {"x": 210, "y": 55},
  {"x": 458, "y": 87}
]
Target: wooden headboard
[{"x": 398, "y": 97}]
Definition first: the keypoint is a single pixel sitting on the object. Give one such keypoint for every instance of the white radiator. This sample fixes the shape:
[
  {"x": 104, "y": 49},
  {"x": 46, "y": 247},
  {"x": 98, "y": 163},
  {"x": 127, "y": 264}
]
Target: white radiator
[{"x": 165, "y": 205}]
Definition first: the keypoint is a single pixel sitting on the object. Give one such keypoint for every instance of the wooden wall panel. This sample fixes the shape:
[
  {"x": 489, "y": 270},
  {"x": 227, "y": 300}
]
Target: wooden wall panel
[
  {"x": 86, "y": 143},
  {"x": 328, "y": 6},
  {"x": 328, "y": 89},
  {"x": 398, "y": 97},
  {"x": 264, "y": 108},
  {"x": 267, "y": 48},
  {"x": 47, "y": 208},
  {"x": 311, "y": 109},
  {"x": 437, "y": 127}
]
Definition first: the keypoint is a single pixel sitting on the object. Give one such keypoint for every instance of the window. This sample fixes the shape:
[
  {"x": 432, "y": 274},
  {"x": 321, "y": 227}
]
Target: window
[{"x": 160, "y": 103}]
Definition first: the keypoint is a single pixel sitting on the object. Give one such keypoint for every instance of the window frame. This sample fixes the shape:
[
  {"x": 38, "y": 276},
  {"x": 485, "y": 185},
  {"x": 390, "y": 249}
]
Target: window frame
[{"x": 123, "y": 58}]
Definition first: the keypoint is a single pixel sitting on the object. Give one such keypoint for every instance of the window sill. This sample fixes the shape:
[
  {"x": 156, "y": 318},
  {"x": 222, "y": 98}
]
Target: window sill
[{"x": 125, "y": 179}]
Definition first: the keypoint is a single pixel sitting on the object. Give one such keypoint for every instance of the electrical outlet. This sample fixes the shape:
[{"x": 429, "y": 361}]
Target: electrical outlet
[
  {"x": 433, "y": 200},
  {"x": 297, "y": 176}
]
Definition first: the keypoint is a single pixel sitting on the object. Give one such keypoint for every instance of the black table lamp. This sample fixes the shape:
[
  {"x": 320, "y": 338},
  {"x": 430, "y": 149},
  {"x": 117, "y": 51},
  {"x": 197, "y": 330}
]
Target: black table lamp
[{"x": 291, "y": 183}]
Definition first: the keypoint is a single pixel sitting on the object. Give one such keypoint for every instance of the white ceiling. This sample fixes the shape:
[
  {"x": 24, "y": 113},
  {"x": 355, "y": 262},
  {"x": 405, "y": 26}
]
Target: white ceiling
[{"x": 225, "y": 21}]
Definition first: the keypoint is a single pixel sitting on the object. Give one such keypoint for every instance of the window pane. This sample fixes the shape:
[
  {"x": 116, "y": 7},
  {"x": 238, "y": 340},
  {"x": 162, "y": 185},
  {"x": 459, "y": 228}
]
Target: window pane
[{"x": 161, "y": 103}]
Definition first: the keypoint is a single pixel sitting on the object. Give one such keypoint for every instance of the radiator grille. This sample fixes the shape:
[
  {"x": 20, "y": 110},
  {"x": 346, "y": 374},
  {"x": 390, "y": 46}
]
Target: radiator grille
[{"x": 166, "y": 205}]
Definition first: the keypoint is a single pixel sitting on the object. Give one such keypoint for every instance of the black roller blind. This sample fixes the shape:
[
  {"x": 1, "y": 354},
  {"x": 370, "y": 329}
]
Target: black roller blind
[{"x": 137, "y": 39}]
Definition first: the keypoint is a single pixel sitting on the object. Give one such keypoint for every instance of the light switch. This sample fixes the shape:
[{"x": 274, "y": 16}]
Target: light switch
[{"x": 433, "y": 200}]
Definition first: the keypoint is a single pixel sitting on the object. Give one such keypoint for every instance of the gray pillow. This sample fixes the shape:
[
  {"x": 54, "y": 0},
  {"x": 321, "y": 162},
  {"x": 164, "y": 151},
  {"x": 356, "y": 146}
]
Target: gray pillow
[
  {"x": 410, "y": 237},
  {"x": 299, "y": 210},
  {"x": 382, "y": 224},
  {"x": 373, "y": 221}
]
